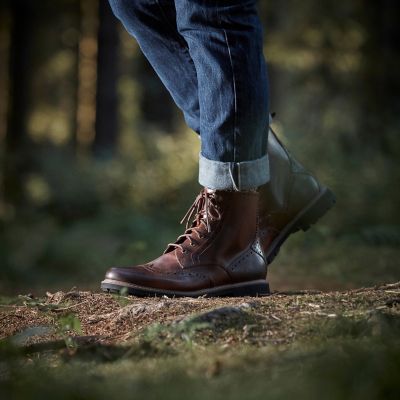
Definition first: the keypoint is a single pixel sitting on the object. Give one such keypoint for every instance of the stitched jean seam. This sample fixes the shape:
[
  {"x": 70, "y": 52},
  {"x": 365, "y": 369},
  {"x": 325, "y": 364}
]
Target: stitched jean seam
[
  {"x": 234, "y": 96},
  {"x": 235, "y": 121}
]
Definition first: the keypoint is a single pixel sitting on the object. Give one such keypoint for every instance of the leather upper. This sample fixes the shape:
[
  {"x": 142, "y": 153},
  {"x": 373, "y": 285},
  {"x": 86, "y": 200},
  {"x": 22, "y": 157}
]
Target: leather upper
[
  {"x": 220, "y": 247},
  {"x": 290, "y": 189}
]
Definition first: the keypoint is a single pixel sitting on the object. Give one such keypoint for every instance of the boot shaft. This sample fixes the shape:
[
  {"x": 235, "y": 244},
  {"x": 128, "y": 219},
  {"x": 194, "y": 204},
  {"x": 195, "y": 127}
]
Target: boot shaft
[{"x": 232, "y": 226}]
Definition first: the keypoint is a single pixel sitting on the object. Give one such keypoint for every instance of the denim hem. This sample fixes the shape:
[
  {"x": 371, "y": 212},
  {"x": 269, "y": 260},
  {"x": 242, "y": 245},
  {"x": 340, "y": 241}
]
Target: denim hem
[{"x": 238, "y": 176}]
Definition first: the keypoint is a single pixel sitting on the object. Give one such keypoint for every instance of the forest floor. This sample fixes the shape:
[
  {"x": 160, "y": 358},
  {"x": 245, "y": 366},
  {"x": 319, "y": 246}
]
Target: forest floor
[{"x": 79, "y": 344}]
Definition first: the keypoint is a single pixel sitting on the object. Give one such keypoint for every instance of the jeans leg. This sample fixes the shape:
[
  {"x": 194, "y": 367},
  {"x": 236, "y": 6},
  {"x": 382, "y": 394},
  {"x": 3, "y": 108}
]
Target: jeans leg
[
  {"x": 225, "y": 43},
  {"x": 153, "y": 24}
]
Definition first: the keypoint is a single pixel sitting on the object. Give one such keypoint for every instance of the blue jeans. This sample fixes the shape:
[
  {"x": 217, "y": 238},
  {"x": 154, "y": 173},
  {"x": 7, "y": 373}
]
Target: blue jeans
[{"x": 209, "y": 55}]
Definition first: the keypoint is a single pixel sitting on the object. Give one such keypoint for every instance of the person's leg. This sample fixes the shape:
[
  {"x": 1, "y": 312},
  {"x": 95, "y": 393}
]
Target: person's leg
[
  {"x": 217, "y": 56},
  {"x": 153, "y": 24},
  {"x": 225, "y": 43},
  {"x": 221, "y": 252}
]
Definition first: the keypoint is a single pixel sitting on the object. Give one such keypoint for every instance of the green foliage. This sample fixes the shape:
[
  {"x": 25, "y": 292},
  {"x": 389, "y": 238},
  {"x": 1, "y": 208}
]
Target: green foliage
[
  {"x": 70, "y": 322},
  {"x": 184, "y": 330}
]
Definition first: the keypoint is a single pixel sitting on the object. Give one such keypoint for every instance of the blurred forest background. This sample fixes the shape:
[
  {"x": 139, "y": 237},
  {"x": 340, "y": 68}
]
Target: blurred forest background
[{"x": 97, "y": 166}]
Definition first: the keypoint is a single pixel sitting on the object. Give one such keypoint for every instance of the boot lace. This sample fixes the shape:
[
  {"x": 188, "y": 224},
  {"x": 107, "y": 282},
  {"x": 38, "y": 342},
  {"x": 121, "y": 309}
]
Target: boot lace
[{"x": 201, "y": 213}]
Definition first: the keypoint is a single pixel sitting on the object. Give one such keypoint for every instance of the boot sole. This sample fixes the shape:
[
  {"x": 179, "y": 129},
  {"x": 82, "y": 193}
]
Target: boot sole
[
  {"x": 252, "y": 288},
  {"x": 308, "y": 216}
]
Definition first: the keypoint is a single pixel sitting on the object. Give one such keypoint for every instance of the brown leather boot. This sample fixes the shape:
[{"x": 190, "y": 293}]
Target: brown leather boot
[
  {"x": 292, "y": 200},
  {"x": 219, "y": 255}
]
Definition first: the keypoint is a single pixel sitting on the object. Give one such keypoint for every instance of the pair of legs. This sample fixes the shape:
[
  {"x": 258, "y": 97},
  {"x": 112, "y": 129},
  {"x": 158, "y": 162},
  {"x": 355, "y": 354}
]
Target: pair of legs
[{"x": 209, "y": 55}]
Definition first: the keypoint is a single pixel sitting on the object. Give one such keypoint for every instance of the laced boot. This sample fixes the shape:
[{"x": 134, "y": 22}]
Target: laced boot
[
  {"x": 292, "y": 200},
  {"x": 219, "y": 254}
]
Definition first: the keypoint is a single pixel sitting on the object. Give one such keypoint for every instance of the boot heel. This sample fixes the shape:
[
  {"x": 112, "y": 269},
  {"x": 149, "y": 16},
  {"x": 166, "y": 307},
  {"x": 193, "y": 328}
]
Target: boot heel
[{"x": 317, "y": 209}]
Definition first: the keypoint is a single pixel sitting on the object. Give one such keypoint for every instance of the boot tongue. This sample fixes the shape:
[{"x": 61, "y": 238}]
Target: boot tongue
[{"x": 205, "y": 207}]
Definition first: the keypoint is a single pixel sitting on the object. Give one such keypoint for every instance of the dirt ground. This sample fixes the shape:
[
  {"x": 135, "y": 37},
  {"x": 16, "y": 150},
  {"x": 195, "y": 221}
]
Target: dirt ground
[
  {"x": 113, "y": 319},
  {"x": 198, "y": 336}
]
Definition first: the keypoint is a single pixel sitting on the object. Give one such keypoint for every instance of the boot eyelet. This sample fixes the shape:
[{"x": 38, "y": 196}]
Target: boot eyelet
[{"x": 193, "y": 244}]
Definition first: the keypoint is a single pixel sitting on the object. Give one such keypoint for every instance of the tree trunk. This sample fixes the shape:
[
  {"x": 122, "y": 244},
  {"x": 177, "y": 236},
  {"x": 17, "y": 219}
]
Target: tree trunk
[
  {"x": 16, "y": 159},
  {"x": 107, "y": 74}
]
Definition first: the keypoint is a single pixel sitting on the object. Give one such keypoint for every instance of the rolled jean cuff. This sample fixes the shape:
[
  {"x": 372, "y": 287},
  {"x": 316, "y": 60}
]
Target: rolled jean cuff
[{"x": 236, "y": 176}]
